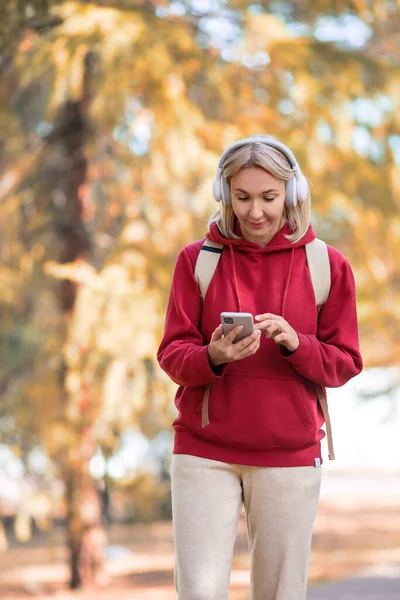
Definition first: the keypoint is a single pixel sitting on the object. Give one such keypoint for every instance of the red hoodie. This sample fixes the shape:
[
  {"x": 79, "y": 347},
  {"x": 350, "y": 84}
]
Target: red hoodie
[{"x": 263, "y": 410}]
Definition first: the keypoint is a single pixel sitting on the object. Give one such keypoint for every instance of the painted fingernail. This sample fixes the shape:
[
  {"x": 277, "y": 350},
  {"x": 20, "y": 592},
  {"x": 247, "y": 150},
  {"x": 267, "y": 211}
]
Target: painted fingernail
[{"x": 258, "y": 331}]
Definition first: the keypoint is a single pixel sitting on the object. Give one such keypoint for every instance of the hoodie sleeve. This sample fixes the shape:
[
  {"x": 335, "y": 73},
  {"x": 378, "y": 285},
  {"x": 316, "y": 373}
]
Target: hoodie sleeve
[
  {"x": 183, "y": 353},
  {"x": 332, "y": 357}
]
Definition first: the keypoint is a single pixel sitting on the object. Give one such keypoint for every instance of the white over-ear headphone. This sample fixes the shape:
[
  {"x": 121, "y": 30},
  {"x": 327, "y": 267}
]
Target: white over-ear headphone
[{"x": 296, "y": 186}]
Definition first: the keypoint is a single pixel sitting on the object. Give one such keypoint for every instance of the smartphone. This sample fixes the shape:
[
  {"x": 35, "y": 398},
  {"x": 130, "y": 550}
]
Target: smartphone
[{"x": 230, "y": 320}]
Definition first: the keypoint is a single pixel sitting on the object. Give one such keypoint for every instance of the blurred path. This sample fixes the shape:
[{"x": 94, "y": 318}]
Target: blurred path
[
  {"x": 361, "y": 489},
  {"x": 356, "y": 546},
  {"x": 360, "y": 588}
]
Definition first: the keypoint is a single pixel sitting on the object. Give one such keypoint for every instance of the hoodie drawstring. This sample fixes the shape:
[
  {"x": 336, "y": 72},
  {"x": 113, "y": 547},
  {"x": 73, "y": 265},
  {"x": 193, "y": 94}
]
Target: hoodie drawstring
[
  {"x": 235, "y": 283},
  {"x": 285, "y": 292}
]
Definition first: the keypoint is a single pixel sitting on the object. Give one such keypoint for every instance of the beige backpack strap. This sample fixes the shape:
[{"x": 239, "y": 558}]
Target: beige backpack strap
[
  {"x": 320, "y": 270},
  {"x": 320, "y": 273},
  {"x": 206, "y": 264}
]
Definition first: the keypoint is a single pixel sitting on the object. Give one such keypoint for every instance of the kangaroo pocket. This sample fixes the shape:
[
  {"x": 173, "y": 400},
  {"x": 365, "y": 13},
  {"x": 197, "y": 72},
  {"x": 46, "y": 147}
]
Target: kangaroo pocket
[{"x": 258, "y": 413}]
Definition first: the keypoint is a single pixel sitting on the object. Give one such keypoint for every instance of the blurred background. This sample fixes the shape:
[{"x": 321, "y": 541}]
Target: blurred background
[{"x": 113, "y": 115}]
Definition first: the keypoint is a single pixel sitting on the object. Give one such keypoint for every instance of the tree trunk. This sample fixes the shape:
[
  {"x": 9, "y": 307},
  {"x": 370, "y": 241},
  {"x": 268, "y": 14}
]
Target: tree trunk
[
  {"x": 74, "y": 525},
  {"x": 70, "y": 135}
]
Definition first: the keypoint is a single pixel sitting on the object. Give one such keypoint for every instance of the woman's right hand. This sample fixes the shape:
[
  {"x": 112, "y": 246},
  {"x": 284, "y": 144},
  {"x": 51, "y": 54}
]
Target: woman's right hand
[{"x": 221, "y": 349}]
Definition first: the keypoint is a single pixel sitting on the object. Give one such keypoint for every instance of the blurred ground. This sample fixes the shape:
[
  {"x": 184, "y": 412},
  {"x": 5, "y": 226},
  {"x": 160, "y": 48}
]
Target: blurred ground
[{"x": 357, "y": 531}]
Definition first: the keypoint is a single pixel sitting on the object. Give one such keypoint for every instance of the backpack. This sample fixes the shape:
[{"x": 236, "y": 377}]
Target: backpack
[{"x": 320, "y": 273}]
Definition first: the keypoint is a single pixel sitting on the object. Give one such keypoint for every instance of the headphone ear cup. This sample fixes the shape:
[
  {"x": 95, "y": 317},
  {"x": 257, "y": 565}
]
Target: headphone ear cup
[
  {"x": 221, "y": 188},
  {"x": 217, "y": 188},
  {"x": 296, "y": 189},
  {"x": 226, "y": 192},
  {"x": 291, "y": 192},
  {"x": 302, "y": 187}
]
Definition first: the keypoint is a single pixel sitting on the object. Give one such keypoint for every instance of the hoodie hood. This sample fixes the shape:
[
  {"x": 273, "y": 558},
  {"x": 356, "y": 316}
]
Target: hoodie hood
[{"x": 277, "y": 243}]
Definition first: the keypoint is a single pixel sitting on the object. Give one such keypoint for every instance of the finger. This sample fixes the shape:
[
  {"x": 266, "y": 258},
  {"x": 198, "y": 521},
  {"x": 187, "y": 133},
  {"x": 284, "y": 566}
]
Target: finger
[
  {"x": 276, "y": 333},
  {"x": 281, "y": 339},
  {"x": 261, "y": 317},
  {"x": 254, "y": 345},
  {"x": 273, "y": 329},
  {"x": 262, "y": 325},
  {"x": 254, "y": 336},
  {"x": 268, "y": 322},
  {"x": 266, "y": 316},
  {"x": 217, "y": 334},
  {"x": 245, "y": 342},
  {"x": 251, "y": 348},
  {"x": 233, "y": 333}
]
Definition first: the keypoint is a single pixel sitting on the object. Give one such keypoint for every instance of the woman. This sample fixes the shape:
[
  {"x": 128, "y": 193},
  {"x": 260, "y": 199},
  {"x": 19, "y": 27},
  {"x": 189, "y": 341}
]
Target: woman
[{"x": 260, "y": 444}]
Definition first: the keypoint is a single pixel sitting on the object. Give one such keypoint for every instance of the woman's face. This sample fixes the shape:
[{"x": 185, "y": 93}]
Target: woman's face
[{"x": 258, "y": 200}]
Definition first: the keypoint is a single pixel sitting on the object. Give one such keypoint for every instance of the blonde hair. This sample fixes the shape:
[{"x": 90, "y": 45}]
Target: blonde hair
[{"x": 257, "y": 154}]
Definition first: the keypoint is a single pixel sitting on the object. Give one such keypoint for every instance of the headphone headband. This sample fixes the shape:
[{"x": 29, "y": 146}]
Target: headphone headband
[{"x": 268, "y": 140}]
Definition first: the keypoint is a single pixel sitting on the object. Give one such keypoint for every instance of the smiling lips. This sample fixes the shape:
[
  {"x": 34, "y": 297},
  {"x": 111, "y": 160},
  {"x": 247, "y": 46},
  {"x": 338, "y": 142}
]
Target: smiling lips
[{"x": 256, "y": 225}]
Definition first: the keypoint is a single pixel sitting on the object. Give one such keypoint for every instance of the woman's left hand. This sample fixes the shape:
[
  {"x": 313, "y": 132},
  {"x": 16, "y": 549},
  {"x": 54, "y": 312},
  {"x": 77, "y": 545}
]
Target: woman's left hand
[{"x": 276, "y": 327}]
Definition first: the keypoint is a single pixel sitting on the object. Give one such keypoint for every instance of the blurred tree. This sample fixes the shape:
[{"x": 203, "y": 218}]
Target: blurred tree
[
  {"x": 69, "y": 136},
  {"x": 112, "y": 121}
]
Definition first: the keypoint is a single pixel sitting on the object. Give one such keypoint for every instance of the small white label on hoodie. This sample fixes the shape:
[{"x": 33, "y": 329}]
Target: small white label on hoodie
[{"x": 317, "y": 462}]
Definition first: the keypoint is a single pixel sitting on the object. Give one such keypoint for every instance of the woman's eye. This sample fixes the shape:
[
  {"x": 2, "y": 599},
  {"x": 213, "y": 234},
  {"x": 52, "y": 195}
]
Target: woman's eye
[
  {"x": 270, "y": 199},
  {"x": 265, "y": 198}
]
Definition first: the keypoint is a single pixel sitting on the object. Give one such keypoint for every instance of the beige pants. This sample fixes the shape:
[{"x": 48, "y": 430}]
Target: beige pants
[{"x": 280, "y": 505}]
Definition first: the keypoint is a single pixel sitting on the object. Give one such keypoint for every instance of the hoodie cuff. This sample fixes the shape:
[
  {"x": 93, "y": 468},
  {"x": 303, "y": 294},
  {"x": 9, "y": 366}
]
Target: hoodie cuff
[
  {"x": 204, "y": 368},
  {"x": 302, "y": 355}
]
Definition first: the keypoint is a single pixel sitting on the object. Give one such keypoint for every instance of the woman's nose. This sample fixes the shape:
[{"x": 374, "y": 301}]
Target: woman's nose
[{"x": 256, "y": 210}]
